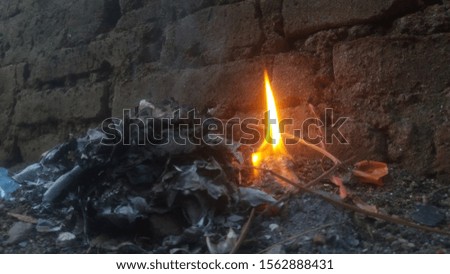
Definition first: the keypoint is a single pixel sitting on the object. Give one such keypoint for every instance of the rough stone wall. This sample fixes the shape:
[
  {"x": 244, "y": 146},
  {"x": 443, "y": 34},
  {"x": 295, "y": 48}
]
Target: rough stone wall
[{"x": 67, "y": 65}]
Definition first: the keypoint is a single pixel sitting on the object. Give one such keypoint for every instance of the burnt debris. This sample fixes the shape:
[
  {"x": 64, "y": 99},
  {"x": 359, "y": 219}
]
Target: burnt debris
[{"x": 153, "y": 182}]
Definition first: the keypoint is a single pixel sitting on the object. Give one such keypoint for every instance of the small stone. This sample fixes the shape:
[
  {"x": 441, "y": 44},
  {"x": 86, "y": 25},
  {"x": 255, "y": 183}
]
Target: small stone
[
  {"x": 273, "y": 227},
  {"x": 405, "y": 244},
  {"x": 65, "y": 238},
  {"x": 353, "y": 242},
  {"x": 276, "y": 249},
  {"x": 23, "y": 244},
  {"x": 445, "y": 202},
  {"x": 45, "y": 226},
  {"x": 18, "y": 232},
  {"x": 428, "y": 215},
  {"x": 319, "y": 239},
  {"x": 388, "y": 236}
]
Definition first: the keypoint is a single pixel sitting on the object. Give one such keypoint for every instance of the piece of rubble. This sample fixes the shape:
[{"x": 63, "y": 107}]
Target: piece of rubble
[
  {"x": 46, "y": 226},
  {"x": 18, "y": 232},
  {"x": 273, "y": 227},
  {"x": 137, "y": 177},
  {"x": 29, "y": 174},
  {"x": 65, "y": 239},
  {"x": 61, "y": 184},
  {"x": 223, "y": 246},
  {"x": 254, "y": 197},
  {"x": 428, "y": 215},
  {"x": 7, "y": 184}
]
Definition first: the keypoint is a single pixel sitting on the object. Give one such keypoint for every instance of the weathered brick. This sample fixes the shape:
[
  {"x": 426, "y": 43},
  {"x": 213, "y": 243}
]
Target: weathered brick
[
  {"x": 11, "y": 79},
  {"x": 213, "y": 35},
  {"x": 393, "y": 88},
  {"x": 61, "y": 105},
  {"x": 303, "y": 17}
]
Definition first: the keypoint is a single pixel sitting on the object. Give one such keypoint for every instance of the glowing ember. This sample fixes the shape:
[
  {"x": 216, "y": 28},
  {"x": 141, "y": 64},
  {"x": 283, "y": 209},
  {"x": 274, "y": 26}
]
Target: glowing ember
[{"x": 272, "y": 145}]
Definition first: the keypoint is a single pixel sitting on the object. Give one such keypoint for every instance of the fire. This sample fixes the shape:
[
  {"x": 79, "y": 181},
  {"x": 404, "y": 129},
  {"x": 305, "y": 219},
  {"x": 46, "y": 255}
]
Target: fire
[{"x": 272, "y": 144}]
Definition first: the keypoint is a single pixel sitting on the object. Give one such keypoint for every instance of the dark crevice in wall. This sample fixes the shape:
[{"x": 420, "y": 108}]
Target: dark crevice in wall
[
  {"x": 104, "y": 72},
  {"x": 280, "y": 28},
  {"x": 131, "y": 5},
  {"x": 105, "y": 110},
  {"x": 26, "y": 72},
  {"x": 110, "y": 17},
  {"x": 258, "y": 11},
  {"x": 259, "y": 16},
  {"x": 399, "y": 9},
  {"x": 101, "y": 74},
  {"x": 152, "y": 35},
  {"x": 14, "y": 156}
]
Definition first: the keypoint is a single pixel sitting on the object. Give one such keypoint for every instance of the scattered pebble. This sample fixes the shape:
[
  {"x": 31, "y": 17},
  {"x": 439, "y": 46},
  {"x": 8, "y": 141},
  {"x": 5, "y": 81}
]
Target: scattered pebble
[
  {"x": 445, "y": 202},
  {"x": 45, "y": 226},
  {"x": 319, "y": 239},
  {"x": 428, "y": 215},
  {"x": 353, "y": 242},
  {"x": 235, "y": 218},
  {"x": 276, "y": 249},
  {"x": 273, "y": 227},
  {"x": 65, "y": 238},
  {"x": 18, "y": 232}
]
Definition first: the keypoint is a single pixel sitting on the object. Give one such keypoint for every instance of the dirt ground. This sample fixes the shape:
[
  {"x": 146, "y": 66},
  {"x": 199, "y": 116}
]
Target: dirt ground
[{"x": 305, "y": 224}]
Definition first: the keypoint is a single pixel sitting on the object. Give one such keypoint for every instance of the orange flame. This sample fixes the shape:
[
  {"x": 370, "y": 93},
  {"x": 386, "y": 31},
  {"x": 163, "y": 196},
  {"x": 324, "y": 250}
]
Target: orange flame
[{"x": 272, "y": 144}]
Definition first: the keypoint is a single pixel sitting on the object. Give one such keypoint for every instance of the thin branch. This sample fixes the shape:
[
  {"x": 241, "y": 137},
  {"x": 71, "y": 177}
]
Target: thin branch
[
  {"x": 312, "y": 109},
  {"x": 314, "y": 147},
  {"x": 322, "y": 176},
  {"x": 328, "y": 172},
  {"x": 244, "y": 232},
  {"x": 312, "y": 182},
  {"x": 339, "y": 203}
]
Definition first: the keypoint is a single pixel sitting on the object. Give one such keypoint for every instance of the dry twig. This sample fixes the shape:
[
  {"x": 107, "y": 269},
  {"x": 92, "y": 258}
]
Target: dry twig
[
  {"x": 344, "y": 205},
  {"x": 335, "y": 160},
  {"x": 244, "y": 232}
]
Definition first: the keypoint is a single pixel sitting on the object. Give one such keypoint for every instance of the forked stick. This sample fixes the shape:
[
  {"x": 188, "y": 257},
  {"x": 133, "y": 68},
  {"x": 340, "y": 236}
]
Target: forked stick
[{"x": 335, "y": 160}]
